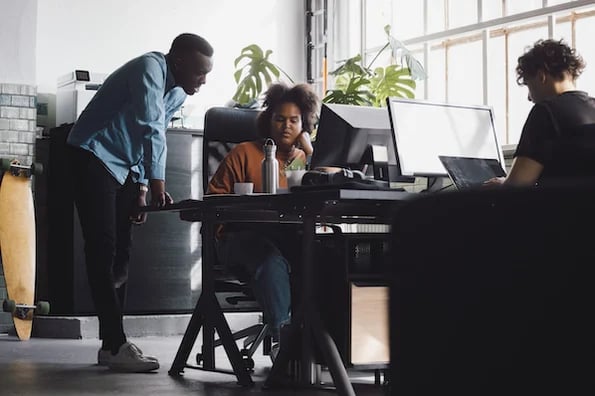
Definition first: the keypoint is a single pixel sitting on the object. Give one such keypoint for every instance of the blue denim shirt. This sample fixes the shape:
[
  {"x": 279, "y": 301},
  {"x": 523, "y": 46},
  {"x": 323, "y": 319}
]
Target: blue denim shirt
[{"x": 124, "y": 124}]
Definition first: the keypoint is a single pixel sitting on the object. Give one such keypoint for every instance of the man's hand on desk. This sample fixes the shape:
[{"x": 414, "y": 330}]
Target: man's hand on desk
[
  {"x": 137, "y": 217},
  {"x": 159, "y": 197}
]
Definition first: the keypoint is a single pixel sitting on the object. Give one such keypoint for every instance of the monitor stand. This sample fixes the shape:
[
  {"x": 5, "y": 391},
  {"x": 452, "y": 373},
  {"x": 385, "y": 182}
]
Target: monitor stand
[
  {"x": 436, "y": 184},
  {"x": 377, "y": 156}
]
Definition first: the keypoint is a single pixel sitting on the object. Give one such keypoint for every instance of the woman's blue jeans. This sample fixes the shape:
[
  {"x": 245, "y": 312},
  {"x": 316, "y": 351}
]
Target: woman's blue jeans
[{"x": 257, "y": 259}]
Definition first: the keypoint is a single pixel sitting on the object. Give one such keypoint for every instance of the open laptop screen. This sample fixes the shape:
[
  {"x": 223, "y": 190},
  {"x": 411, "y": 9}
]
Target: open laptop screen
[{"x": 468, "y": 173}]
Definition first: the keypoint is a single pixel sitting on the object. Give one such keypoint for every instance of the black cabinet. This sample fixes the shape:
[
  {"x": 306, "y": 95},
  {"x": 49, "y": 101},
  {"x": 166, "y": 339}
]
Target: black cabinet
[
  {"x": 164, "y": 275},
  {"x": 353, "y": 295}
]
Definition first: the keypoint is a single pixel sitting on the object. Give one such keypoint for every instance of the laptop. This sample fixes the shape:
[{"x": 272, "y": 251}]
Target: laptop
[{"x": 467, "y": 173}]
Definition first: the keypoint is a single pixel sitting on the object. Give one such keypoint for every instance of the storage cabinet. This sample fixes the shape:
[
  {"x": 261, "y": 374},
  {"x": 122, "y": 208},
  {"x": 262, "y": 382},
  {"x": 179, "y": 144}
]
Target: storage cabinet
[
  {"x": 164, "y": 274},
  {"x": 353, "y": 295}
]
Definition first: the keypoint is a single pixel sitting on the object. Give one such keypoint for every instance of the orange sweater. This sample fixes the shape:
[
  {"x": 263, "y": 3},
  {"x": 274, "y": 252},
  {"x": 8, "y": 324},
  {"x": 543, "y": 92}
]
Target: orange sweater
[{"x": 243, "y": 164}]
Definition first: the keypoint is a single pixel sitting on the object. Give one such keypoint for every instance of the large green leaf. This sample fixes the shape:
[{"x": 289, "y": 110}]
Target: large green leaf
[
  {"x": 355, "y": 92},
  {"x": 352, "y": 67},
  {"x": 254, "y": 73},
  {"x": 391, "y": 80}
]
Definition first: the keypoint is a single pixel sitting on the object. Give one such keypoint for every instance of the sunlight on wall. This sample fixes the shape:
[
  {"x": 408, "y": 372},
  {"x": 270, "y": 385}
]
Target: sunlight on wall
[{"x": 100, "y": 36}]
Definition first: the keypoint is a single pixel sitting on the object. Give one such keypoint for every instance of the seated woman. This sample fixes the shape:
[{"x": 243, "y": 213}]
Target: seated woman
[
  {"x": 261, "y": 258},
  {"x": 557, "y": 143}
]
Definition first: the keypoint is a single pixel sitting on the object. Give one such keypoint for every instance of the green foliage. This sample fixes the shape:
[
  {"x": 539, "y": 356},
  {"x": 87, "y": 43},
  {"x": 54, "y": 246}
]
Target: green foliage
[
  {"x": 356, "y": 84},
  {"x": 254, "y": 73},
  {"x": 391, "y": 80}
]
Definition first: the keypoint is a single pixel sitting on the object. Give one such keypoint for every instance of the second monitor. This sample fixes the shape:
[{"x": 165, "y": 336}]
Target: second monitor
[{"x": 357, "y": 138}]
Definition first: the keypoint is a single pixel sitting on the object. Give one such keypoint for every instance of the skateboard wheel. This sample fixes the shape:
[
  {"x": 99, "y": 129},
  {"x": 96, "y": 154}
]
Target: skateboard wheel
[
  {"x": 43, "y": 308},
  {"x": 9, "y": 306},
  {"x": 37, "y": 168},
  {"x": 249, "y": 363}
]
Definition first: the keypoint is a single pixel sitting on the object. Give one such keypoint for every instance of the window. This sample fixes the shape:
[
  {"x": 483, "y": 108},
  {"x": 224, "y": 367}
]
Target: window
[{"x": 455, "y": 33}]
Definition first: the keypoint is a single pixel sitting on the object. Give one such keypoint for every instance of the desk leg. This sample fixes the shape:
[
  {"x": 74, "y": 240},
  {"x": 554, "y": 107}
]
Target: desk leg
[
  {"x": 196, "y": 321},
  {"x": 230, "y": 346},
  {"x": 307, "y": 324},
  {"x": 208, "y": 310},
  {"x": 331, "y": 357}
]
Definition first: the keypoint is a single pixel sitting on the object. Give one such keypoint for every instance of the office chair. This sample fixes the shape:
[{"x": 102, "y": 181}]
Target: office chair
[
  {"x": 224, "y": 127},
  {"x": 491, "y": 293}
]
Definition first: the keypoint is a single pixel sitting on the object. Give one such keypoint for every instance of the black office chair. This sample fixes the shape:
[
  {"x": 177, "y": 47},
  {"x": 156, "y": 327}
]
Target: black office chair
[
  {"x": 224, "y": 127},
  {"x": 492, "y": 293}
]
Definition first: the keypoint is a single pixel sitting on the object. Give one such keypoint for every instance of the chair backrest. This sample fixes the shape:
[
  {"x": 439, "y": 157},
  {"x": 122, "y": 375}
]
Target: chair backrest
[
  {"x": 224, "y": 127},
  {"x": 491, "y": 292}
]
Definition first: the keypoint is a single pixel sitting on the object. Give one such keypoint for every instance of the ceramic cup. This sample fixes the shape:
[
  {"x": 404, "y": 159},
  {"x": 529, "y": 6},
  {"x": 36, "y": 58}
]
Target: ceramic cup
[
  {"x": 243, "y": 188},
  {"x": 294, "y": 177}
]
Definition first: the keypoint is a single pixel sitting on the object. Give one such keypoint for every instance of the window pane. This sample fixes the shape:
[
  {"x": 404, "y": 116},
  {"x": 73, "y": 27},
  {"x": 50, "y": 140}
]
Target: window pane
[
  {"x": 436, "y": 75},
  {"x": 585, "y": 31},
  {"x": 563, "y": 31},
  {"x": 436, "y": 16},
  {"x": 497, "y": 84},
  {"x": 518, "y": 105},
  {"x": 492, "y": 9},
  {"x": 518, "y": 6},
  {"x": 378, "y": 15},
  {"x": 461, "y": 13},
  {"x": 408, "y": 19},
  {"x": 465, "y": 73}
]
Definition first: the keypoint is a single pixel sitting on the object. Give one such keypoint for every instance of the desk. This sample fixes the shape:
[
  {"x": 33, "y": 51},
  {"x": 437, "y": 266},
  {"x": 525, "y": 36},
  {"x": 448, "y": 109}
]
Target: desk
[{"x": 307, "y": 208}]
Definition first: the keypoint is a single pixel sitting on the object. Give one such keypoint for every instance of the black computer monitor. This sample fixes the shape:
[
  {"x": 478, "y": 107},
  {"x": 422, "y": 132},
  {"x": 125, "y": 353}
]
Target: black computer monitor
[
  {"x": 357, "y": 138},
  {"x": 424, "y": 130}
]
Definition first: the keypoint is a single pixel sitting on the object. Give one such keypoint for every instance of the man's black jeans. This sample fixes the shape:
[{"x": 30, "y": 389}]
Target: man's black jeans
[{"x": 104, "y": 207}]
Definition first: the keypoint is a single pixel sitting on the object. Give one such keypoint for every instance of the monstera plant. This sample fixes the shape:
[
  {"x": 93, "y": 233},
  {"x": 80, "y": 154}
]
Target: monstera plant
[
  {"x": 254, "y": 73},
  {"x": 357, "y": 84}
]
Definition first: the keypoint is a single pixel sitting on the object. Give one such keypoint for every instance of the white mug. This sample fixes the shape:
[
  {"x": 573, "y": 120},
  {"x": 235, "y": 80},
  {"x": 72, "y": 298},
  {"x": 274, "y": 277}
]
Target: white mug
[{"x": 243, "y": 188}]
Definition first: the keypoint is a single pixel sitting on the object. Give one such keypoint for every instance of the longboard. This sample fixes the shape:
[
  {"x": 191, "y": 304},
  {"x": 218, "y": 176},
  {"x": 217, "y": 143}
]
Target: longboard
[{"x": 17, "y": 244}]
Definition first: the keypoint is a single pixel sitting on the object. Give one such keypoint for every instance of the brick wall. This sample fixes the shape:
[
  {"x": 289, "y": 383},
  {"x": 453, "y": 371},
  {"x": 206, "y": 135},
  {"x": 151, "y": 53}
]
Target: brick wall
[{"x": 17, "y": 140}]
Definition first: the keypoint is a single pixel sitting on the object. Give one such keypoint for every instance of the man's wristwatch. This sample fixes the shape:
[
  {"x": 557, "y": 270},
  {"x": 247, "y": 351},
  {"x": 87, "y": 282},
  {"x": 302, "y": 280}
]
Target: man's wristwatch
[{"x": 142, "y": 187}]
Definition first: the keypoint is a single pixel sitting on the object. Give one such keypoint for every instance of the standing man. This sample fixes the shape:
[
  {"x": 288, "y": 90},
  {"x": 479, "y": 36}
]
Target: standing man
[{"x": 120, "y": 151}]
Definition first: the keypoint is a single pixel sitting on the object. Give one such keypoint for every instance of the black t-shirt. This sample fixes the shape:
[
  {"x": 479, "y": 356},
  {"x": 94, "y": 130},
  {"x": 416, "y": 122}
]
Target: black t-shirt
[{"x": 559, "y": 133}]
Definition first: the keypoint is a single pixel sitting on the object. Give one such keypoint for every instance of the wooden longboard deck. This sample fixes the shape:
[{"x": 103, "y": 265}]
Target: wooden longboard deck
[{"x": 17, "y": 244}]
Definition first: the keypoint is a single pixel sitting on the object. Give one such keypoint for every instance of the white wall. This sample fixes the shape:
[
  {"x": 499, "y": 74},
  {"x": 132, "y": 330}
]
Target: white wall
[
  {"x": 101, "y": 35},
  {"x": 17, "y": 41}
]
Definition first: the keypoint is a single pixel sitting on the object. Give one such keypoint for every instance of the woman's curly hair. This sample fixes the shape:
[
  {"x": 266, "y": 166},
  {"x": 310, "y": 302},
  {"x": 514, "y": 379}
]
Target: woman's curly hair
[
  {"x": 551, "y": 56},
  {"x": 301, "y": 95}
]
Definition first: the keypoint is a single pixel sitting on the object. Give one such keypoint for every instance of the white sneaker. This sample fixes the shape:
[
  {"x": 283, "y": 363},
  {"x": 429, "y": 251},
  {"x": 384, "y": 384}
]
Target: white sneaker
[
  {"x": 104, "y": 356},
  {"x": 131, "y": 359}
]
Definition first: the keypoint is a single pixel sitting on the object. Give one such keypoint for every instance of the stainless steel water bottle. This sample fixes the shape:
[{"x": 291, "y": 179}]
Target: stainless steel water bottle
[{"x": 270, "y": 167}]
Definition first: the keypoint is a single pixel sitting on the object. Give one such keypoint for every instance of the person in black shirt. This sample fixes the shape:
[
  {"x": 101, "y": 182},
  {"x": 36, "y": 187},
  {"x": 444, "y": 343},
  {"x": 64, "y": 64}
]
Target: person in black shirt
[{"x": 557, "y": 144}]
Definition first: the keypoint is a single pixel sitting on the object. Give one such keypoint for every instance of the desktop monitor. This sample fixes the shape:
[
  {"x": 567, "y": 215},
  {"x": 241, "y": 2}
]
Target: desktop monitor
[
  {"x": 425, "y": 130},
  {"x": 351, "y": 136}
]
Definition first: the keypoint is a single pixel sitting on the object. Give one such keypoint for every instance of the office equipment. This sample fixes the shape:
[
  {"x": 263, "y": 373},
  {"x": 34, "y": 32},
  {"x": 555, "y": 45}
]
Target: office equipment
[
  {"x": 474, "y": 313},
  {"x": 352, "y": 137},
  {"x": 471, "y": 172},
  {"x": 424, "y": 130},
  {"x": 75, "y": 91},
  {"x": 353, "y": 269}
]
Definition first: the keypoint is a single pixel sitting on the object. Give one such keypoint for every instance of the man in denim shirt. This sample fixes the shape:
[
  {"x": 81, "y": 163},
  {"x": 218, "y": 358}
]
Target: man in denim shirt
[{"x": 120, "y": 150}]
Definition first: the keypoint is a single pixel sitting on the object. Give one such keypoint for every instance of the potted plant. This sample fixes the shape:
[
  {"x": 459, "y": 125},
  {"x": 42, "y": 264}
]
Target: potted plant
[
  {"x": 357, "y": 84},
  {"x": 254, "y": 73}
]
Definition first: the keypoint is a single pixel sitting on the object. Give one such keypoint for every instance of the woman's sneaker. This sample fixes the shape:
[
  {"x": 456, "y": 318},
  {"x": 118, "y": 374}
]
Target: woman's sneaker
[{"x": 131, "y": 359}]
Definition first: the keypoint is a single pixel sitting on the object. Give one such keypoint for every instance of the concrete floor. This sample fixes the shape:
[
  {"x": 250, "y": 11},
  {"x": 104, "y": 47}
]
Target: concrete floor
[{"x": 43, "y": 366}]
